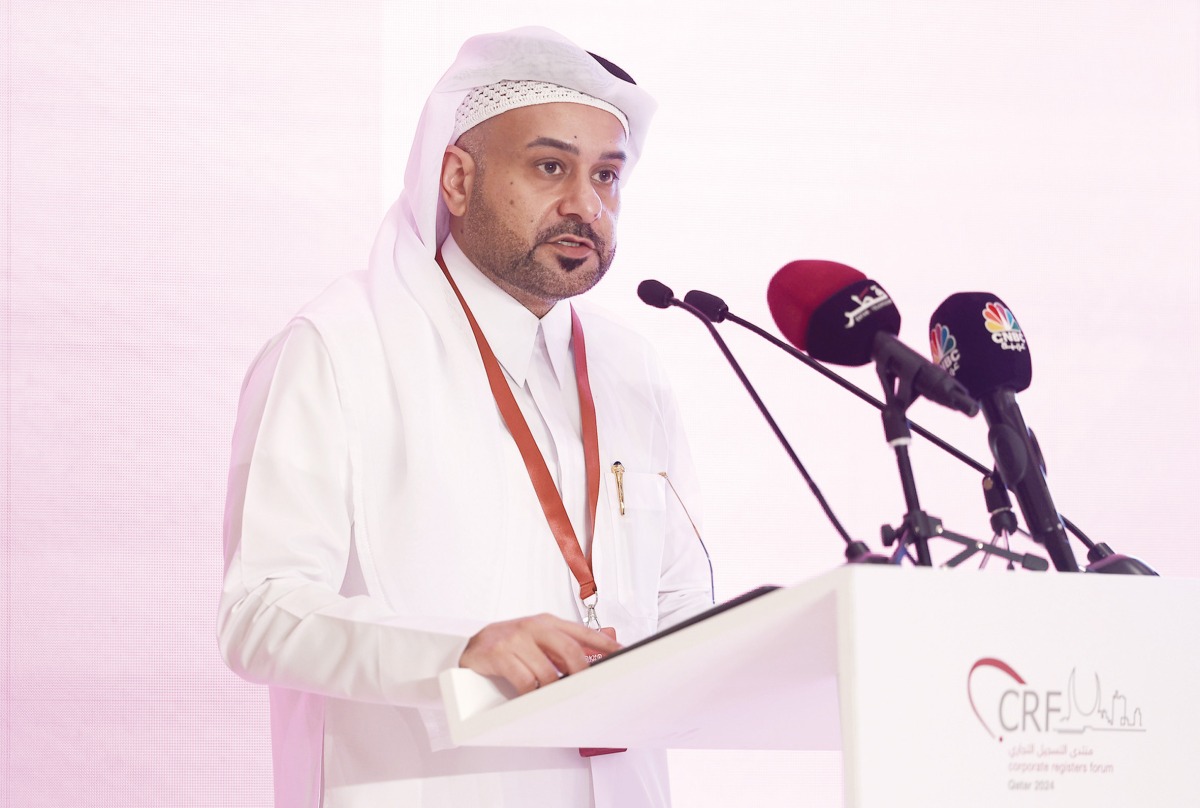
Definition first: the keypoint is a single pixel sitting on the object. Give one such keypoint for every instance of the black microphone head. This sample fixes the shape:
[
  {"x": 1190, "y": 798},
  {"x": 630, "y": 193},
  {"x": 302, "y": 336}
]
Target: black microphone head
[
  {"x": 831, "y": 311},
  {"x": 711, "y": 306},
  {"x": 976, "y": 338},
  {"x": 656, "y": 294}
]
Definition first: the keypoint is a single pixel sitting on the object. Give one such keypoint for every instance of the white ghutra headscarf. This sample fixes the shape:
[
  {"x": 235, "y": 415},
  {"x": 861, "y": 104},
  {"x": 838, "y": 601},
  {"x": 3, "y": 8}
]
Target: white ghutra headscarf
[{"x": 418, "y": 222}]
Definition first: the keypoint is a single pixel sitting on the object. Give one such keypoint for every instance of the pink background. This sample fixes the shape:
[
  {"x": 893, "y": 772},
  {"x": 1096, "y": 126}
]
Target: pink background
[{"x": 178, "y": 178}]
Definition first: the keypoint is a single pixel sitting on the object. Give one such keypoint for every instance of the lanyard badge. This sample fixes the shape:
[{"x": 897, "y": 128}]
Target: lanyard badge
[
  {"x": 535, "y": 464},
  {"x": 539, "y": 474}
]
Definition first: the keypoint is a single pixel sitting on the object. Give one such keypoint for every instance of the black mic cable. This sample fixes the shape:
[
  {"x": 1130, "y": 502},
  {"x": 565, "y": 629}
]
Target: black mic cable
[
  {"x": 659, "y": 295},
  {"x": 717, "y": 310}
]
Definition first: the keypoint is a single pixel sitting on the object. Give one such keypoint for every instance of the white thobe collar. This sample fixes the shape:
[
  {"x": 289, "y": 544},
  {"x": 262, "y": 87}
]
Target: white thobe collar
[{"x": 510, "y": 328}]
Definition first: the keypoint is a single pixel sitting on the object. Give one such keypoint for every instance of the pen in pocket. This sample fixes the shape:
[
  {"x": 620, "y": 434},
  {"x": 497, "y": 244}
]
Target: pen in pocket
[{"x": 618, "y": 471}]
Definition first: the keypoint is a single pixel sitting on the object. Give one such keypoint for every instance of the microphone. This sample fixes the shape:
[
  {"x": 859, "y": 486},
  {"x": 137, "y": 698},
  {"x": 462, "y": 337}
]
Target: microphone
[
  {"x": 711, "y": 306},
  {"x": 656, "y": 294},
  {"x": 659, "y": 295},
  {"x": 836, "y": 314},
  {"x": 975, "y": 337},
  {"x": 717, "y": 310}
]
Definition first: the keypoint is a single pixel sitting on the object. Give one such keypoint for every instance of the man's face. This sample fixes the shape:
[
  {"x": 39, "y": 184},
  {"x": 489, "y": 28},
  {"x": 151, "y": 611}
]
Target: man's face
[{"x": 541, "y": 205}]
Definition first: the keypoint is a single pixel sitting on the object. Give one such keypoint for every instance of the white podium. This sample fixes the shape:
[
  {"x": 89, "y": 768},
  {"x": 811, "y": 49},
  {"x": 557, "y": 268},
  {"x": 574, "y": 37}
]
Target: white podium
[{"x": 941, "y": 687}]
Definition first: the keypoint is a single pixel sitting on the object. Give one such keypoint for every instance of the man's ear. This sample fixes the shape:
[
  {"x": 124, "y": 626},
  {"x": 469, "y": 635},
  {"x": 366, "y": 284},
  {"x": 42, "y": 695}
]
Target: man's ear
[{"x": 458, "y": 176}]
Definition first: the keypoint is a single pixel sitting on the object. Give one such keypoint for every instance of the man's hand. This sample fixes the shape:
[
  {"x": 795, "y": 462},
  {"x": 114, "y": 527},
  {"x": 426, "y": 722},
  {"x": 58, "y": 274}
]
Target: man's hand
[{"x": 533, "y": 651}]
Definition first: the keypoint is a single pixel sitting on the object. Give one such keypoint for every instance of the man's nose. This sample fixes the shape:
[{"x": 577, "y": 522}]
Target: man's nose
[{"x": 581, "y": 200}]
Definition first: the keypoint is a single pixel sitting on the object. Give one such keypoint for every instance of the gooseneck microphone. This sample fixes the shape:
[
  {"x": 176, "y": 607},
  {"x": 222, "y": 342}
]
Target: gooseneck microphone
[
  {"x": 657, "y": 294},
  {"x": 836, "y": 314},
  {"x": 975, "y": 337}
]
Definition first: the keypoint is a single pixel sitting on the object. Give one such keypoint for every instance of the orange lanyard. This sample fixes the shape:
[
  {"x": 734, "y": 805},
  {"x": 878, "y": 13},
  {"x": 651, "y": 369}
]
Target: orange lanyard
[{"x": 535, "y": 463}]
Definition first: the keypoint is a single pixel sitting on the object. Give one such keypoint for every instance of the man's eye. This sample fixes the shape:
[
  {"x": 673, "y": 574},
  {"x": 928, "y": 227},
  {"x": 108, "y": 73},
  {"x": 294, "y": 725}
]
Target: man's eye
[
  {"x": 606, "y": 176},
  {"x": 551, "y": 167}
]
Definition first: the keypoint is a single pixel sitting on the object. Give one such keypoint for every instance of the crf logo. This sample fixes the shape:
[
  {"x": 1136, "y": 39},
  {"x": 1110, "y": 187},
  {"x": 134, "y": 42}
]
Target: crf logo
[
  {"x": 1004, "y": 702},
  {"x": 1019, "y": 709}
]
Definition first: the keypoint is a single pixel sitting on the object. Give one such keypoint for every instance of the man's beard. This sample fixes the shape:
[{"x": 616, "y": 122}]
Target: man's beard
[{"x": 506, "y": 257}]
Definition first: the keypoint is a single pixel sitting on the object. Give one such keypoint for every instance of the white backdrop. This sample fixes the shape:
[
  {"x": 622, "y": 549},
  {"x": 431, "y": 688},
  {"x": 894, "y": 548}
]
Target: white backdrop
[{"x": 178, "y": 178}]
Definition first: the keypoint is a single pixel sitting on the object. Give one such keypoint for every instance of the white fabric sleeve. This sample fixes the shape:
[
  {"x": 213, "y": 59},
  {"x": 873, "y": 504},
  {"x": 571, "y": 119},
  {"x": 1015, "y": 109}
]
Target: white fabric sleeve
[{"x": 288, "y": 538}]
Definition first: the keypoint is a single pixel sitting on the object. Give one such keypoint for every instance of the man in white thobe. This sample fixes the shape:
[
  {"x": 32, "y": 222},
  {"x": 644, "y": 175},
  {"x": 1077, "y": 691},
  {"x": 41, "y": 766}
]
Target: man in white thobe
[{"x": 382, "y": 525}]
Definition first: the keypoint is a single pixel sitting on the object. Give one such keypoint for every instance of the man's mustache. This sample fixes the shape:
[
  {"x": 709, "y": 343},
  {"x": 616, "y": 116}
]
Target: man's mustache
[{"x": 577, "y": 229}]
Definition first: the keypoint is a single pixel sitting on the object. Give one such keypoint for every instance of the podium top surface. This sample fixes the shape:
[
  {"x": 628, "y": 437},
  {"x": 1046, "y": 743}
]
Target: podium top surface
[{"x": 774, "y": 673}]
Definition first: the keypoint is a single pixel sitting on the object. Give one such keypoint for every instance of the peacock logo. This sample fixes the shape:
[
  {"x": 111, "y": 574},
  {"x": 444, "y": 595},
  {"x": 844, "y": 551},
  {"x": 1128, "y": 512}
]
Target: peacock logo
[
  {"x": 1003, "y": 327},
  {"x": 943, "y": 347}
]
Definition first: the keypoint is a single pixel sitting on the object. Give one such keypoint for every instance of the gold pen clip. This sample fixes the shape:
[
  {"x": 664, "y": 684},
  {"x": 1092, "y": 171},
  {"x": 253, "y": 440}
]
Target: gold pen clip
[{"x": 618, "y": 471}]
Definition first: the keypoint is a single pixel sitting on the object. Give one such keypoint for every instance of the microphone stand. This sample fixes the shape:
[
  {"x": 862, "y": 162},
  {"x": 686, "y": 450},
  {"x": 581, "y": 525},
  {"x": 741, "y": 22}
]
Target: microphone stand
[
  {"x": 918, "y": 527},
  {"x": 1000, "y": 513},
  {"x": 1003, "y": 520},
  {"x": 654, "y": 293}
]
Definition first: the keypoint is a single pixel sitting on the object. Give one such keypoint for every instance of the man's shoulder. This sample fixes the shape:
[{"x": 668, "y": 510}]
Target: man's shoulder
[
  {"x": 343, "y": 320},
  {"x": 602, "y": 325},
  {"x": 622, "y": 350},
  {"x": 347, "y": 299}
]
